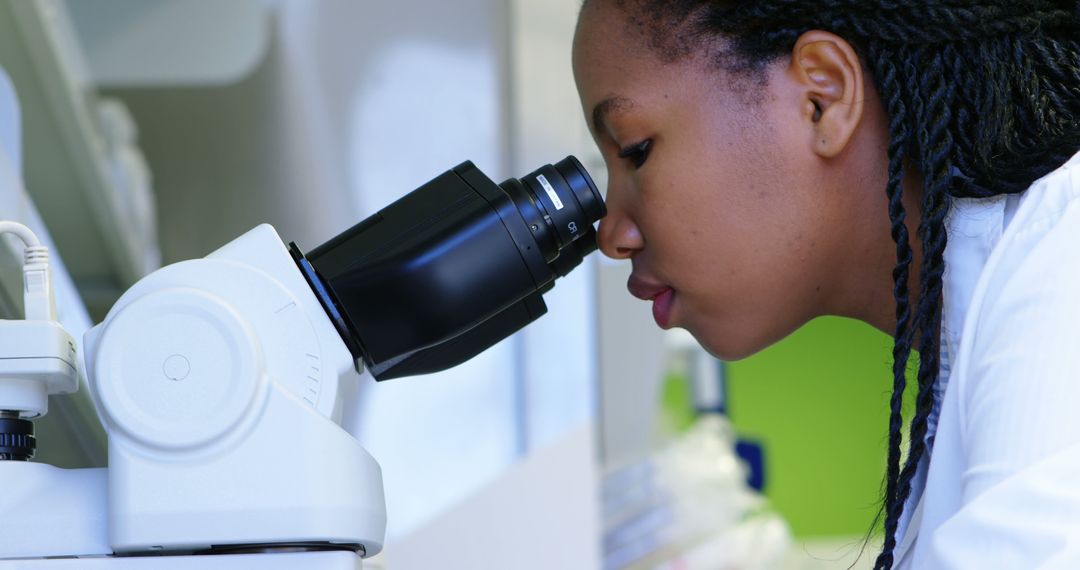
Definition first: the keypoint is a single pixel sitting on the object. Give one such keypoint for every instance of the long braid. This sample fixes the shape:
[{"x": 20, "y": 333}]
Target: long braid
[
  {"x": 983, "y": 98},
  {"x": 936, "y": 145},
  {"x": 932, "y": 143},
  {"x": 898, "y": 135}
]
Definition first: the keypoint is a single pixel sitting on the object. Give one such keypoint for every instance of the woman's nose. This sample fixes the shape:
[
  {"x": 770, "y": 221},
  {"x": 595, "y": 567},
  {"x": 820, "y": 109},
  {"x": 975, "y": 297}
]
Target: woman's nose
[{"x": 618, "y": 236}]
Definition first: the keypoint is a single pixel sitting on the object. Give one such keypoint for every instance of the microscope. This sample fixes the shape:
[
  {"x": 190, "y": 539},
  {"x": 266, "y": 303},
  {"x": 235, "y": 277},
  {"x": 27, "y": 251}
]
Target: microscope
[{"x": 221, "y": 381}]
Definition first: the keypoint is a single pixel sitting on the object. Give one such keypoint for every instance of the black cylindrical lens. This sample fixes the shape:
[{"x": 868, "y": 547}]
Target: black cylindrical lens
[
  {"x": 572, "y": 256},
  {"x": 559, "y": 202},
  {"x": 454, "y": 266}
]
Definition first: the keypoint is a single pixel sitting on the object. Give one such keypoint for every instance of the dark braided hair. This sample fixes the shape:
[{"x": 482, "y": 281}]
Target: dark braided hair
[{"x": 983, "y": 98}]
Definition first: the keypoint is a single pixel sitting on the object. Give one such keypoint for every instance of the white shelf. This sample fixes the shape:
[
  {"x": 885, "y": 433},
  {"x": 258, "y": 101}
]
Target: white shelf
[
  {"x": 68, "y": 165},
  {"x": 150, "y": 43}
]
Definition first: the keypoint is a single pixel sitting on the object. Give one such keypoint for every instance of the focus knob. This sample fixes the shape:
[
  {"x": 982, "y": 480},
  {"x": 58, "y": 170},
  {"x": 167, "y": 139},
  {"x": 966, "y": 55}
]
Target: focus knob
[
  {"x": 177, "y": 369},
  {"x": 17, "y": 441}
]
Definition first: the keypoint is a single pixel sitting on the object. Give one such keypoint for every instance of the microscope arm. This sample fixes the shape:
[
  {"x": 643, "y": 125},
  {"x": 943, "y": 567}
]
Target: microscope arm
[{"x": 219, "y": 382}]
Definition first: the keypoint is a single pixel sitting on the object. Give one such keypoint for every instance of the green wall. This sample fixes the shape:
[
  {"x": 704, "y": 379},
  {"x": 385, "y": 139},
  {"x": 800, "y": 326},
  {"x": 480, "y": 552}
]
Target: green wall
[{"x": 818, "y": 402}]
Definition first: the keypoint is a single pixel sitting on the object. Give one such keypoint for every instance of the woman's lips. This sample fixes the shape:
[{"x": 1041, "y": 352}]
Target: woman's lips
[
  {"x": 661, "y": 308},
  {"x": 662, "y": 296}
]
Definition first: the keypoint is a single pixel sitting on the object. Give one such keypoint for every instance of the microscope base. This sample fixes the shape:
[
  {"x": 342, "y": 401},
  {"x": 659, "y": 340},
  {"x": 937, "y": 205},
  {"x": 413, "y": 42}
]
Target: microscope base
[
  {"x": 48, "y": 511},
  {"x": 271, "y": 561}
]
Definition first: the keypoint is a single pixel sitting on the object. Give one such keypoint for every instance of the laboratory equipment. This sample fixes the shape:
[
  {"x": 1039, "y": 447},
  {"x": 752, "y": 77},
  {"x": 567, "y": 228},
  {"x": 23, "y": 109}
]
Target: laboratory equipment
[
  {"x": 692, "y": 503},
  {"x": 221, "y": 381}
]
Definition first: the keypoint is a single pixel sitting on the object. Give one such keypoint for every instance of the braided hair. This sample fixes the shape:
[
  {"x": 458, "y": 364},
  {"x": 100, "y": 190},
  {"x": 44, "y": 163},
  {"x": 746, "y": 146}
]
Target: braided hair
[{"x": 982, "y": 97}]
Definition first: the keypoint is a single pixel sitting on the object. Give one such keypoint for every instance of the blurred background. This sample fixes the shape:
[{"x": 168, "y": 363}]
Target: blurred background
[{"x": 137, "y": 133}]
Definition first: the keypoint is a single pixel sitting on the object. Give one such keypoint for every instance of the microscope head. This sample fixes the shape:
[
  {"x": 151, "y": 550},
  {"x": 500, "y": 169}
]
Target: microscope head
[{"x": 453, "y": 267}]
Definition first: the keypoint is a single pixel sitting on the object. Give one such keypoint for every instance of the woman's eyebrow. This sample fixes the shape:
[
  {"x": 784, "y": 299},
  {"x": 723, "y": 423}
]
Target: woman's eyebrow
[{"x": 605, "y": 108}]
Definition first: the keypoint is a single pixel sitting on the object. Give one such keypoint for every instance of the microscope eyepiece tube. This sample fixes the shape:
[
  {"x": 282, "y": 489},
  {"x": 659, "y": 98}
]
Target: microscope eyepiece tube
[{"x": 454, "y": 266}]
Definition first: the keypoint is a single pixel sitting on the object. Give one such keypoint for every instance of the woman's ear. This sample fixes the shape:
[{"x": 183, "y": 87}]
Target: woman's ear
[{"x": 830, "y": 78}]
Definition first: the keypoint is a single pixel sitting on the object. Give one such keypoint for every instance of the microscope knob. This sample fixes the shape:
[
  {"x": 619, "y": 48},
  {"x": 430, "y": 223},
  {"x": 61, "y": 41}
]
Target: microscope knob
[
  {"x": 16, "y": 439},
  {"x": 178, "y": 369}
]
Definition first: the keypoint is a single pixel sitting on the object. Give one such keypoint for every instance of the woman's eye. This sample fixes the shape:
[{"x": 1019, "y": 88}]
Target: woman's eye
[{"x": 638, "y": 153}]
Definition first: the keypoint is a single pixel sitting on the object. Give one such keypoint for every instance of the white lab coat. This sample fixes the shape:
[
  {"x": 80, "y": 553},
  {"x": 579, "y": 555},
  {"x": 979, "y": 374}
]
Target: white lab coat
[{"x": 1001, "y": 488}]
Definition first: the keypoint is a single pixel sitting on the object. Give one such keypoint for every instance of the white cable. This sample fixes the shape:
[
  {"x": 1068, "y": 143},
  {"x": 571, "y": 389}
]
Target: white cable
[
  {"x": 37, "y": 356},
  {"x": 39, "y": 302},
  {"x": 20, "y": 231}
]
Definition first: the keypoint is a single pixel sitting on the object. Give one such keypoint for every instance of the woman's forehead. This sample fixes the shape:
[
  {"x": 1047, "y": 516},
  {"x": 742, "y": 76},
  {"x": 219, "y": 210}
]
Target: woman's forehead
[{"x": 608, "y": 62}]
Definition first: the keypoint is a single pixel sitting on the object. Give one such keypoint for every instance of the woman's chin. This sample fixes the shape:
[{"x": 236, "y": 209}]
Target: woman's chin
[{"x": 726, "y": 347}]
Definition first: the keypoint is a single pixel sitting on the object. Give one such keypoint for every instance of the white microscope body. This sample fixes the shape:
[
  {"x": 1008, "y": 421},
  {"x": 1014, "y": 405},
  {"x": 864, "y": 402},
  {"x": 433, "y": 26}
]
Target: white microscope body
[{"x": 220, "y": 382}]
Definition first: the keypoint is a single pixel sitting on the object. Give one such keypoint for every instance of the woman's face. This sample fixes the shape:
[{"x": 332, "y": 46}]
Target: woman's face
[{"x": 733, "y": 224}]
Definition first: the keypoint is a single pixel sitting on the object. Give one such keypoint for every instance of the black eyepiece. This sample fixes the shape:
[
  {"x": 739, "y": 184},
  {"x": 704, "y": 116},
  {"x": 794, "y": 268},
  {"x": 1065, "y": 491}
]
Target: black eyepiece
[
  {"x": 455, "y": 266},
  {"x": 559, "y": 203}
]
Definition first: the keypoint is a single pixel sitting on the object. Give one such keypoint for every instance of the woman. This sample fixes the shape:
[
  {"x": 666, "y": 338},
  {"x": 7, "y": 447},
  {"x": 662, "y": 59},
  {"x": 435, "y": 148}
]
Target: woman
[{"x": 909, "y": 164}]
